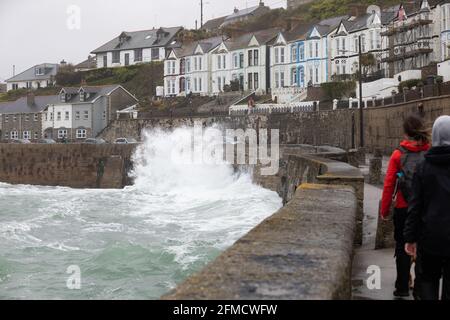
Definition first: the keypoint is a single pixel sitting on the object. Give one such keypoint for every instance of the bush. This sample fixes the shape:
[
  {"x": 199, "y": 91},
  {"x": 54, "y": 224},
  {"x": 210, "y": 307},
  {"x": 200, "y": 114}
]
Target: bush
[
  {"x": 409, "y": 84},
  {"x": 339, "y": 89}
]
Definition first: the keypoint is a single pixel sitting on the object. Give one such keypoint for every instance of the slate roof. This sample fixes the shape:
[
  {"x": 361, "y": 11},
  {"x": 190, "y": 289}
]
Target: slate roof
[
  {"x": 50, "y": 70},
  {"x": 241, "y": 42},
  {"x": 188, "y": 49},
  {"x": 140, "y": 39},
  {"x": 89, "y": 63},
  {"x": 242, "y": 13},
  {"x": 214, "y": 24},
  {"x": 41, "y": 102},
  {"x": 21, "y": 105},
  {"x": 95, "y": 92}
]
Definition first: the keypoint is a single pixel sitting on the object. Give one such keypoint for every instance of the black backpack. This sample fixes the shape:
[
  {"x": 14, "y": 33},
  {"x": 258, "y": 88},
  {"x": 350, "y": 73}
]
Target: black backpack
[{"x": 409, "y": 162}]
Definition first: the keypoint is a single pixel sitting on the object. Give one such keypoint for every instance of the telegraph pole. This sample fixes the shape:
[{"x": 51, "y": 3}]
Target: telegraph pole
[
  {"x": 361, "y": 119},
  {"x": 201, "y": 14}
]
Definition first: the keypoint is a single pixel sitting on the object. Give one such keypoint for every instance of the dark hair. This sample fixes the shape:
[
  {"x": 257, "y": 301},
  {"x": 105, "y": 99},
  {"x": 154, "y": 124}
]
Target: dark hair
[{"x": 414, "y": 128}]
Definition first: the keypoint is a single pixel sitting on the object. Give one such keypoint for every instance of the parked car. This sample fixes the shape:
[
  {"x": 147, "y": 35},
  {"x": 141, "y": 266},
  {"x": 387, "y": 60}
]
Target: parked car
[
  {"x": 21, "y": 141},
  {"x": 94, "y": 141},
  {"x": 125, "y": 141},
  {"x": 46, "y": 141}
]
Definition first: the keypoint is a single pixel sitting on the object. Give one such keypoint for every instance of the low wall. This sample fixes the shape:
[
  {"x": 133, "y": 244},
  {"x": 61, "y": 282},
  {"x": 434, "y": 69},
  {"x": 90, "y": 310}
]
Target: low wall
[
  {"x": 68, "y": 165},
  {"x": 338, "y": 128},
  {"x": 304, "y": 251}
]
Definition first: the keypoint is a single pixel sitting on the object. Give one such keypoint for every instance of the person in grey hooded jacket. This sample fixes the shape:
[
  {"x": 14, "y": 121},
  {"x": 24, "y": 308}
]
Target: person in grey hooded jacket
[{"x": 427, "y": 229}]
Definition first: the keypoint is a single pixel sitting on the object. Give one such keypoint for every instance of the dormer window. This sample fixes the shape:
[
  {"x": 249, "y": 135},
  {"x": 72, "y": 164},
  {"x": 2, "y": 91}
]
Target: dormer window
[
  {"x": 82, "y": 95},
  {"x": 63, "y": 97},
  {"x": 39, "y": 71}
]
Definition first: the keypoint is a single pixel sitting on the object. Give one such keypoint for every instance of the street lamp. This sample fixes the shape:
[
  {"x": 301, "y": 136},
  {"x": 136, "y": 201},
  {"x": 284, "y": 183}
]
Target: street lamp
[{"x": 361, "y": 119}]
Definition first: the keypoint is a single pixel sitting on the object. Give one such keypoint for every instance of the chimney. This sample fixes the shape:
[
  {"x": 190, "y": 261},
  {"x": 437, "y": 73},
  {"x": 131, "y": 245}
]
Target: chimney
[
  {"x": 63, "y": 63},
  {"x": 30, "y": 99},
  {"x": 261, "y": 3},
  {"x": 357, "y": 10},
  {"x": 236, "y": 10}
]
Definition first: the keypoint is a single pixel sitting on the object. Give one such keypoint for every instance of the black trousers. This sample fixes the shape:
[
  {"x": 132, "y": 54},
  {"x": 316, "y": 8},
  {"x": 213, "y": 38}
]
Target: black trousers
[
  {"x": 402, "y": 259},
  {"x": 432, "y": 268}
]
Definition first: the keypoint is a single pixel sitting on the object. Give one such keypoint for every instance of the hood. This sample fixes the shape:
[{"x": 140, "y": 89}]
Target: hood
[
  {"x": 441, "y": 132},
  {"x": 439, "y": 155},
  {"x": 415, "y": 146}
]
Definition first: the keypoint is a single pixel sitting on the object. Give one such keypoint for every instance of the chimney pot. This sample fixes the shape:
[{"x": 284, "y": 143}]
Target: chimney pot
[{"x": 30, "y": 99}]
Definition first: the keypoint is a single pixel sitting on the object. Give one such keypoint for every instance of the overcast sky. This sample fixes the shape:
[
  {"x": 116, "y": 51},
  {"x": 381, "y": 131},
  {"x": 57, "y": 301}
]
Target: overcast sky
[{"x": 38, "y": 31}]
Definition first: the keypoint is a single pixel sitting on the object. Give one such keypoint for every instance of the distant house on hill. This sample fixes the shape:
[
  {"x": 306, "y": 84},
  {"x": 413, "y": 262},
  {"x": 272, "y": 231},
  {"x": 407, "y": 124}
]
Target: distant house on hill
[
  {"x": 136, "y": 47},
  {"x": 236, "y": 16},
  {"x": 88, "y": 64},
  {"x": 38, "y": 76},
  {"x": 75, "y": 114}
]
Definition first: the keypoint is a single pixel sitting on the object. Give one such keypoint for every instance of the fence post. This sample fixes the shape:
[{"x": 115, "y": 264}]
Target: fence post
[
  {"x": 350, "y": 103},
  {"x": 335, "y": 101}
]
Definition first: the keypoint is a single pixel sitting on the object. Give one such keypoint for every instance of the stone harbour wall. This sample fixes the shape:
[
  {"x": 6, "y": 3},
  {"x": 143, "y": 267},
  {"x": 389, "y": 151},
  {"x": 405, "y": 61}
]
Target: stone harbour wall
[{"x": 68, "y": 165}]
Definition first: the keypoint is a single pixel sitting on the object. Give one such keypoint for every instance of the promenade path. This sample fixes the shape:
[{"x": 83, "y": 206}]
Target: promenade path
[{"x": 366, "y": 255}]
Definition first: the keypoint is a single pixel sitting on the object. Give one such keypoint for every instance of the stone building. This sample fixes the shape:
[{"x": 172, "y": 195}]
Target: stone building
[{"x": 75, "y": 114}]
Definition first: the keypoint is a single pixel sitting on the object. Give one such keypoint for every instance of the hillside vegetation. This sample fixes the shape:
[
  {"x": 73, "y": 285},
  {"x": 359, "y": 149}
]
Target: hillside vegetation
[
  {"x": 307, "y": 13},
  {"x": 141, "y": 80}
]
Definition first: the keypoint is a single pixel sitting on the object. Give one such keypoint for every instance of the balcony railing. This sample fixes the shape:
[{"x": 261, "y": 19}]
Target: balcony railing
[{"x": 406, "y": 27}]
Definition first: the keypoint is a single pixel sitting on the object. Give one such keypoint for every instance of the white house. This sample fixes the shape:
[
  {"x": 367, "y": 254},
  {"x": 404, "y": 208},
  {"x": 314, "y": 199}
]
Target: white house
[
  {"x": 136, "y": 47},
  {"x": 187, "y": 69},
  {"x": 246, "y": 59},
  {"x": 38, "y": 76},
  {"x": 442, "y": 10},
  {"x": 413, "y": 38},
  {"x": 344, "y": 42}
]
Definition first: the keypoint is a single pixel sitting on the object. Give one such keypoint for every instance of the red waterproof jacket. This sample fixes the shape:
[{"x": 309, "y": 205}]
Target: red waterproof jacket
[{"x": 391, "y": 176}]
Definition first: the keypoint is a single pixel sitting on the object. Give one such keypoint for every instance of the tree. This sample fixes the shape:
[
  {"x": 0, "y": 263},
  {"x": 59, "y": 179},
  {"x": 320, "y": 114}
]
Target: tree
[{"x": 368, "y": 61}]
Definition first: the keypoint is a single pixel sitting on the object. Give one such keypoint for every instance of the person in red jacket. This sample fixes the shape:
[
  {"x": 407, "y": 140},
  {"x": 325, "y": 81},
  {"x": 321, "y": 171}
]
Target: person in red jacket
[{"x": 416, "y": 141}]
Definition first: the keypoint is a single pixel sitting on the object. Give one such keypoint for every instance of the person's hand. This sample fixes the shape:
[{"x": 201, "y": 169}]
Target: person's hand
[
  {"x": 411, "y": 249},
  {"x": 384, "y": 218}
]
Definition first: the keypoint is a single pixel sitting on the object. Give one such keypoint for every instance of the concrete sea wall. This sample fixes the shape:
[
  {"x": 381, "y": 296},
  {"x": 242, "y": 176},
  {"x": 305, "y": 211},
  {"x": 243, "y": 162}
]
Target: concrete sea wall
[{"x": 303, "y": 251}]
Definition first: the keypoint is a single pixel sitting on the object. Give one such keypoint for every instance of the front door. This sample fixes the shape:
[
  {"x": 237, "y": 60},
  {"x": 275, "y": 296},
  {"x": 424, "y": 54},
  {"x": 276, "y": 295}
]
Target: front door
[{"x": 127, "y": 59}]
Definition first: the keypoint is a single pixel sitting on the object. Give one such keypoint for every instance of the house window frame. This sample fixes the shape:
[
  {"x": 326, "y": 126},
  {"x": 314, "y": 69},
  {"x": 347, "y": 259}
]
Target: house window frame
[
  {"x": 81, "y": 133},
  {"x": 116, "y": 57},
  {"x": 26, "y": 135}
]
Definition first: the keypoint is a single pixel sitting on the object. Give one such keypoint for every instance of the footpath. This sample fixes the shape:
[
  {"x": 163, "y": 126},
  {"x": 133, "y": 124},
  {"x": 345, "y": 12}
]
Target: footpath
[{"x": 367, "y": 259}]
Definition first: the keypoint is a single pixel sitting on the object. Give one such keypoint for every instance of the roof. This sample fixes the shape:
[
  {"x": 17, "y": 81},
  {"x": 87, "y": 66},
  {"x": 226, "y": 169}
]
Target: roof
[
  {"x": 242, "y": 13},
  {"x": 41, "y": 102},
  {"x": 263, "y": 37},
  {"x": 21, "y": 105},
  {"x": 89, "y": 63},
  {"x": 161, "y": 37},
  {"x": 214, "y": 24},
  {"x": 49, "y": 69},
  {"x": 94, "y": 92},
  {"x": 207, "y": 45}
]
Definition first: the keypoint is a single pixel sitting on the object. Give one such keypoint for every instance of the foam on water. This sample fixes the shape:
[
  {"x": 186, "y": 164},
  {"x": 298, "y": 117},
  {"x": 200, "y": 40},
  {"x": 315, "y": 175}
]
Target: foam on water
[{"x": 135, "y": 243}]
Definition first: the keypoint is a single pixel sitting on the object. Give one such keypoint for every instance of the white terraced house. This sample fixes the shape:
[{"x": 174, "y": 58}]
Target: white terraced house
[
  {"x": 245, "y": 58},
  {"x": 344, "y": 42},
  {"x": 442, "y": 10},
  {"x": 413, "y": 37},
  {"x": 136, "y": 47},
  {"x": 187, "y": 69}
]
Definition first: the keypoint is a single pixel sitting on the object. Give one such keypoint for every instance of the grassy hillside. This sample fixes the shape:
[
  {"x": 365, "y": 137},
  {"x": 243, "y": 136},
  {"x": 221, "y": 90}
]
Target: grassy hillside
[
  {"x": 141, "y": 80},
  {"x": 307, "y": 13}
]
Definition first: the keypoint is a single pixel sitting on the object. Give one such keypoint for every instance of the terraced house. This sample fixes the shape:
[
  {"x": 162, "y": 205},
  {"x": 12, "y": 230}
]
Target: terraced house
[
  {"x": 413, "y": 38},
  {"x": 344, "y": 43},
  {"x": 187, "y": 68},
  {"x": 136, "y": 47},
  {"x": 74, "y": 114}
]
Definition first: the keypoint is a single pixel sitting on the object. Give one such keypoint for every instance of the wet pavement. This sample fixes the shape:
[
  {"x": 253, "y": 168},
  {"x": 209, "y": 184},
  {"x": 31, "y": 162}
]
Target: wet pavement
[{"x": 368, "y": 259}]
